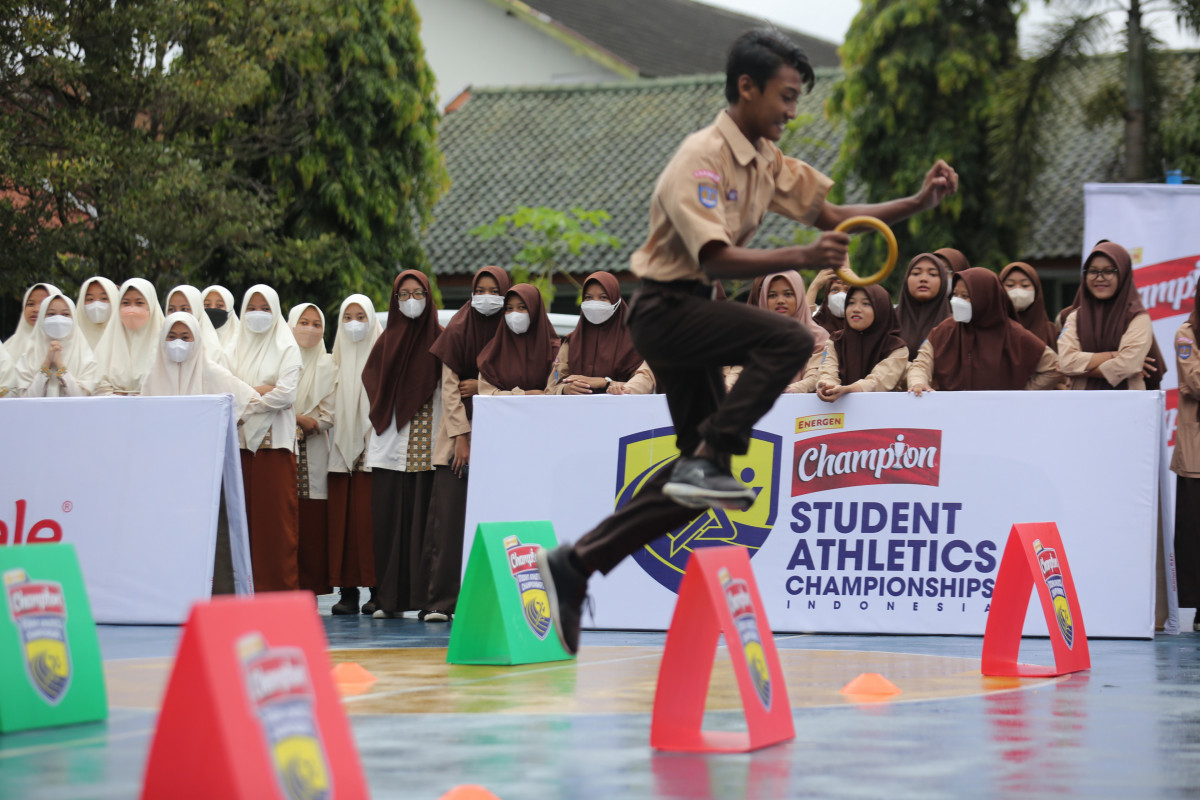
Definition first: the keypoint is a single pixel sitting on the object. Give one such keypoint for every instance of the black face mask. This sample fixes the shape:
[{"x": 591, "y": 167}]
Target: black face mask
[{"x": 219, "y": 316}]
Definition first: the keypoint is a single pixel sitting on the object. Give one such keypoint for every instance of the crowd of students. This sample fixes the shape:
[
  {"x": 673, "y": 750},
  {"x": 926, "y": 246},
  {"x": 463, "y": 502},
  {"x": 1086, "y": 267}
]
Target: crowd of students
[{"x": 355, "y": 460}]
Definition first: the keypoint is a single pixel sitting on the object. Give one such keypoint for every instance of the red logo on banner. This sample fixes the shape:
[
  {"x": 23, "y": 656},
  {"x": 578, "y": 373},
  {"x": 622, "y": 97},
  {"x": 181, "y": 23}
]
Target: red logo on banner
[
  {"x": 43, "y": 531},
  {"x": 868, "y": 458},
  {"x": 1172, "y": 415},
  {"x": 1165, "y": 287}
]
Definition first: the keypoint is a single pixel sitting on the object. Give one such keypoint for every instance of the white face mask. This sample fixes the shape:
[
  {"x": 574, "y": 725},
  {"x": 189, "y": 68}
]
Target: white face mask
[
  {"x": 598, "y": 312},
  {"x": 837, "y": 304},
  {"x": 356, "y": 330},
  {"x": 960, "y": 309},
  {"x": 97, "y": 311},
  {"x": 178, "y": 350},
  {"x": 1021, "y": 298},
  {"x": 517, "y": 322},
  {"x": 58, "y": 328},
  {"x": 258, "y": 321},
  {"x": 487, "y": 304},
  {"x": 412, "y": 307}
]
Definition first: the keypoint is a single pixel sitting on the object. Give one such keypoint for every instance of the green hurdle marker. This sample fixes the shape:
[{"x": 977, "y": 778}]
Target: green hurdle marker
[
  {"x": 50, "y": 664},
  {"x": 503, "y": 614}
]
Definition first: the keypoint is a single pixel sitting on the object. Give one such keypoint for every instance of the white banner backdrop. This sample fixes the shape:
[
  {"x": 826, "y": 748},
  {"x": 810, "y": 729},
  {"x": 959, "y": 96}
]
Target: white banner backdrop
[
  {"x": 904, "y": 538},
  {"x": 1157, "y": 224},
  {"x": 134, "y": 483}
]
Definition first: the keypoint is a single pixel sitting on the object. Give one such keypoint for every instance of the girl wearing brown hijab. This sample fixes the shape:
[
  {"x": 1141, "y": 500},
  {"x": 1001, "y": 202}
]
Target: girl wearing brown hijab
[
  {"x": 1106, "y": 342},
  {"x": 604, "y": 359},
  {"x": 1186, "y": 464},
  {"x": 868, "y": 355},
  {"x": 924, "y": 300},
  {"x": 1024, "y": 289},
  {"x": 982, "y": 347},
  {"x": 955, "y": 260},
  {"x": 401, "y": 378},
  {"x": 521, "y": 354},
  {"x": 471, "y": 328}
]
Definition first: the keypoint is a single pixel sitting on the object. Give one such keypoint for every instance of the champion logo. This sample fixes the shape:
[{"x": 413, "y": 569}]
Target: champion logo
[
  {"x": 1166, "y": 287},
  {"x": 866, "y": 458}
]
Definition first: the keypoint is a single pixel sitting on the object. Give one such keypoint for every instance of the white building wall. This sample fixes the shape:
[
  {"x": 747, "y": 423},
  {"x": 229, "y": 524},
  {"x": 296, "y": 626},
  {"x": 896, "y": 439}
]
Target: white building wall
[{"x": 476, "y": 43}]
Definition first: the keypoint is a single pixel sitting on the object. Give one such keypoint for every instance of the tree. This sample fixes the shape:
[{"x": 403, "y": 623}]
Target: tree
[
  {"x": 547, "y": 237},
  {"x": 162, "y": 139},
  {"x": 367, "y": 178},
  {"x": 1181, "y": 133},
  {"x": 918, "y": 78}
]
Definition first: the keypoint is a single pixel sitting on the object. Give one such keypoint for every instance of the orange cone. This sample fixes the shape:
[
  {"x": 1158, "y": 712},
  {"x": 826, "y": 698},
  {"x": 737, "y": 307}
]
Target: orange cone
[
  {"x": 351, "y": 679},
  {"x": 871, "y": 685},
  {"x": 468, "y": 791}
]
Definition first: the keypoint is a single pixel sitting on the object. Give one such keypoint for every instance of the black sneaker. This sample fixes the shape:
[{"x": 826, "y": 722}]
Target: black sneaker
[
  {"x": 566, "y": 587},
  {"x": 348, "y": 604},
  {"x": 699, "y": 483}
]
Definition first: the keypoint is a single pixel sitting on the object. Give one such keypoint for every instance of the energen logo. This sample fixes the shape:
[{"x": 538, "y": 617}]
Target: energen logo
[
  {"x": 643, "y": 455},
  {"x": 867, "y": 458},
  {"x": 39, "y": 610},
  {"x": 820, "y": 422}
]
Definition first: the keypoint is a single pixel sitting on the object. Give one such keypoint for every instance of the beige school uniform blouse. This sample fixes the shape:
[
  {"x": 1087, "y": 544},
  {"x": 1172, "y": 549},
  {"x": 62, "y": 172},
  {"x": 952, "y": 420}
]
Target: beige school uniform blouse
[
  {"x": 806, "y": 385},
  {"x": 1128, "y": 364},
  {"x": 1047, "y": 376},
  {"x": 885, "y": 376},
  {"x": 641, "y": 382}
]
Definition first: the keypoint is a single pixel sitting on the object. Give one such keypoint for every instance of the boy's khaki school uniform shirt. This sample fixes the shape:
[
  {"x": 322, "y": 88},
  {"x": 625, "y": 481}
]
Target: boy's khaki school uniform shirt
[{"x": 717, "y": 188}]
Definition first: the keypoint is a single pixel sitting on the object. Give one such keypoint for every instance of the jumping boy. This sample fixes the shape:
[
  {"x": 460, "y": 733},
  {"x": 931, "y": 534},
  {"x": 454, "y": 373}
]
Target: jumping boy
[{"x": 707, "y": 204}]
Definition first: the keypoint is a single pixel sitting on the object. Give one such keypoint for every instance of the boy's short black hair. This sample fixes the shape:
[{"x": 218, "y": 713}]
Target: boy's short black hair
[{"x": 759, "y": 53}]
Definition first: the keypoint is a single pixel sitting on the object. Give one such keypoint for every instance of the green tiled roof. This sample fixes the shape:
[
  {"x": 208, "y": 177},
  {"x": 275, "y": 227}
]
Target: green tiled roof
[{"x": 603, "y": 146}]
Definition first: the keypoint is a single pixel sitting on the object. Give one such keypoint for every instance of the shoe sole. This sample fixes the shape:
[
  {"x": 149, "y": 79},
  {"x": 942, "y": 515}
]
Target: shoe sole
[
  {"x": 694, "y": 497},
  {"x": 543, "y": 565}
]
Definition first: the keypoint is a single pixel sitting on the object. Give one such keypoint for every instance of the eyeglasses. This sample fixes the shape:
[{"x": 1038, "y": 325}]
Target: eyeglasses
[
  {"x": 419, "y": 294},
  {"x": 1111, "y": 272}
]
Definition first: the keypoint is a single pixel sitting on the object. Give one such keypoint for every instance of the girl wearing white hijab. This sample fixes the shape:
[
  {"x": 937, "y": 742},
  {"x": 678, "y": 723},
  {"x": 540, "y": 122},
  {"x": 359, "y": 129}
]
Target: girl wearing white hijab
[
  {"x": 8, "y": 373},
  {"x": 127, "y": 349},
  {"x": 58, "y": 362},
  {"x": 314, "y": 418},
  {"x": 218, "y": 307},
  {"x": 97, "y": 299},
  {"x": 183, "y": 367},
  {"x": 30, "y": 305},
  {"x": 187, "y": 299},
  {"x": 351, "y": 546},
  {"x": 268, "y": 359}
]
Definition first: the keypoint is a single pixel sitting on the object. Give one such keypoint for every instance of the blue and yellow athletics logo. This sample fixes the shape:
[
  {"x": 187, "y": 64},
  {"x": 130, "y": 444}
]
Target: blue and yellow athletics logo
[
  {"x": 281, "y": 695},
  {"x": 39, "y": 611},
  {"x": 643, "y": 455},
  {"x": 522, "y": 562}
]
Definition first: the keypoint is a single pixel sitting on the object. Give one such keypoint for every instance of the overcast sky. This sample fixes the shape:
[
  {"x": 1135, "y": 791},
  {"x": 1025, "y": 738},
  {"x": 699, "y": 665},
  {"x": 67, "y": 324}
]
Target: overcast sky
[{"x": 829, "y": 19}]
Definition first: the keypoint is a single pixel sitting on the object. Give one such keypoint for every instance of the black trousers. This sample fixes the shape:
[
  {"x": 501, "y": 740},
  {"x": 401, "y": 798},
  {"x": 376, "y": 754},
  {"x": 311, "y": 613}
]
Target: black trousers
[
  {"x": 1187, "y": 540},
  {"x": 687, "y": 339}
]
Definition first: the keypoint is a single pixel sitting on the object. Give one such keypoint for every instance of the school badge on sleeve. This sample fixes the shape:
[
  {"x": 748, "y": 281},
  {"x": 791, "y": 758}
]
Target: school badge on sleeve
[
  {"x": 39, "y": 611},
  {"x": 708, "y": 196},
  {"x": 642, "y": 455},
  {"x": 522, "y": 560},
  {"x": 741, "y": 607},
  {"x": 281, "y": 693}
]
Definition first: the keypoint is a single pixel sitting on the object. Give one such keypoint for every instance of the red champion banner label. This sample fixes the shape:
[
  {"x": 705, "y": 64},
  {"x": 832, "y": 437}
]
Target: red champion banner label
[
  {"x": 867, "y": 458},
  {"x": 1167, "y": 288}
]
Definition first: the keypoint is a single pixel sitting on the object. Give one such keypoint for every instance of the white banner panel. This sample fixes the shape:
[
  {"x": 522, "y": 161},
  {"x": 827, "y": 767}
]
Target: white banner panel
[
  {"x": 134, "y": 483},
  {"x": 882, "y": 513}
]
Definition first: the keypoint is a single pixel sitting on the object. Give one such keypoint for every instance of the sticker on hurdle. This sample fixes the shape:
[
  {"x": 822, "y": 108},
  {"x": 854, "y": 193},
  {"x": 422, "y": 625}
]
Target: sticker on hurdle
[
  {"x": 503, "y": 613},
  {"x": 718, "y": 595},
  {"x": 251, "y": 709},
  {"x": 50, "y": 664},
  {"x": 1034, "y": 557}
]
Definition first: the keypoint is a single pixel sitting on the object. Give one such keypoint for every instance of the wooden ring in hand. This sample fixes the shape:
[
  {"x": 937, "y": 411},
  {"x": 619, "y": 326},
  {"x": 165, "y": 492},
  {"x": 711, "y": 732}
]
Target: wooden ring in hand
[{"x": 846, "y": 274}]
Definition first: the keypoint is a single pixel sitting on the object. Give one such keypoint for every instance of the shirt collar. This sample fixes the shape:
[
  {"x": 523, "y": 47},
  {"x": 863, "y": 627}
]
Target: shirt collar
[{"x": 743, "y": 151}]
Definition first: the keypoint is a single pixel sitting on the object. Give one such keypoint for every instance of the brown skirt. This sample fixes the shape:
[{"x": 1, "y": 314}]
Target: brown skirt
[
  {"x": 351, "y": 545},
  {"x": 399, "y": 510},
  {"x": 443, "y": 546},
  {"x": 313, "y": 555},
  {"x": 273, "y": 517}
]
